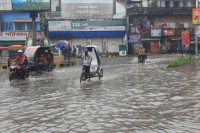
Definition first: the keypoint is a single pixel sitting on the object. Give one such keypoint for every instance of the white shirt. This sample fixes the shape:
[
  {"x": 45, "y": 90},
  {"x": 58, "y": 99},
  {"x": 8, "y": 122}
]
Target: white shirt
[{"x": 87, "y": 59}]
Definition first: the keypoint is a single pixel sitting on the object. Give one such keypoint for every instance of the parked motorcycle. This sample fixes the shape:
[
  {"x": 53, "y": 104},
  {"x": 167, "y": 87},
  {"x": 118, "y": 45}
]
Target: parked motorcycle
[{"x": 17, "y": 72}]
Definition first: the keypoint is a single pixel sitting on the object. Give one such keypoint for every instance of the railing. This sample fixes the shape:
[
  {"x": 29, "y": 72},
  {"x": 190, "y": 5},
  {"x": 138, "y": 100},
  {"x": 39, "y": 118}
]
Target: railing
[{"x": 159, "y": 10}]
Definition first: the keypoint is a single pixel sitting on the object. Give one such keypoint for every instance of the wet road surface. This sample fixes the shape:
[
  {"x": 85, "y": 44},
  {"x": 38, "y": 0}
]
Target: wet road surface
[{"x": 131, "y": 98}]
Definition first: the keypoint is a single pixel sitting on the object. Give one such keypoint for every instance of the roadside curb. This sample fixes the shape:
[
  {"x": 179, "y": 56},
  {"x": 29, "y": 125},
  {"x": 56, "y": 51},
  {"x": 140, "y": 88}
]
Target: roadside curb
[
  {"x": 61, "y": 65},
  {"x": 109, "y": 56}
]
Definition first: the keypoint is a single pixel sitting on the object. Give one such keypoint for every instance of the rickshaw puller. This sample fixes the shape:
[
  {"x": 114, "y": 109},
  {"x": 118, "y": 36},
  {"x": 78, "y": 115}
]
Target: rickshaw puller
[{"x": 87, "y": 59}]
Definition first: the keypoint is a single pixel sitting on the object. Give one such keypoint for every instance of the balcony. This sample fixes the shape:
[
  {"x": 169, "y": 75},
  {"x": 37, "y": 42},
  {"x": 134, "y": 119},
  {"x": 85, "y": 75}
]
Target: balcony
[{"x": 159, "y": 11}]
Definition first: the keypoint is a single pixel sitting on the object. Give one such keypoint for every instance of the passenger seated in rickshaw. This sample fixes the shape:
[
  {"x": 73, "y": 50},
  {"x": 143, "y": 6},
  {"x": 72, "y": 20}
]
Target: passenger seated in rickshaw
[
  {"x": 44, "y": 60},
  {"x": 40, "y": 58},
  {"x": 47, "y": 59}
]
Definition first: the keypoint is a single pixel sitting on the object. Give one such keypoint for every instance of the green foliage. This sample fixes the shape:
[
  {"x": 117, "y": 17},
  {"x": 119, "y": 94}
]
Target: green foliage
[
  {"x": 180, "y": 62},
  {"x": 43, "y": 20}
]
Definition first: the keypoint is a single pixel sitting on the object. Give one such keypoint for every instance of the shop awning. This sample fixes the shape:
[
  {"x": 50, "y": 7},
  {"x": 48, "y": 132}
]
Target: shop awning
[
  {"x": 8, "y": 43},
  {"x": 85, "y": 34}
]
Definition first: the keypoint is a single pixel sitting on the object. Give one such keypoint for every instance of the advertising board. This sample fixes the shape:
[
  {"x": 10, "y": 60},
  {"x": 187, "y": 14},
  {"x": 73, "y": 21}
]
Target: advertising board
[
  {"x": 88, "y": 9},
  {"x": 185, "y": 37},
  {"x": 31, "y": 5},
  {"x": 86, "y": 26},
  {"x": 156, "y": 32},
  {"x": 5, "y": 5},
  {"x": 196, "y": 16}
]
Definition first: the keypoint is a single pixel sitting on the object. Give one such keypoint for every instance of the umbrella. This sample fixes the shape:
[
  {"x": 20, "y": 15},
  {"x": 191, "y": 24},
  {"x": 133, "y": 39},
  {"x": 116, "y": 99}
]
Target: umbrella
[{"x": 60, "y": 44}]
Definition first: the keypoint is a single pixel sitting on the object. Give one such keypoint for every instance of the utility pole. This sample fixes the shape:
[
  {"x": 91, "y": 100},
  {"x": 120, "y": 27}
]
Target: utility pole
[
  {"x": 33, "y": 15},
  {"x": 196, "y": 34}
]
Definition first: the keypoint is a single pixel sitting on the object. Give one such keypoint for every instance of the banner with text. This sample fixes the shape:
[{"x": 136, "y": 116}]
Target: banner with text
[
  {"x": 13, "y": 36},
  {"x": 185, "y": 37},
  {"x": 86, "y": 26},
  {"x": 196, "y": 16}
]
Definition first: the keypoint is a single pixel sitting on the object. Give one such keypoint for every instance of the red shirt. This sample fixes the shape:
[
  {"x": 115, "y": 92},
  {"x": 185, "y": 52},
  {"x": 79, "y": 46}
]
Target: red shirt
[{"x": 21, "y": 58}]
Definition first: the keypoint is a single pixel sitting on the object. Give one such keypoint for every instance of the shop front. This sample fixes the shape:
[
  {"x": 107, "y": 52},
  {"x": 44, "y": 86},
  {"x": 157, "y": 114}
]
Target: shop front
[{"x": 151, "y": 45}]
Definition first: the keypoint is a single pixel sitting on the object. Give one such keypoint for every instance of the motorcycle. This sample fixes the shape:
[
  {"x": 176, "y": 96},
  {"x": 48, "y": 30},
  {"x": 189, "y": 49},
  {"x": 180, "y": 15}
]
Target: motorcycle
[
  {"x": 142, "y": 58},
  {"x": 17, "y": 72}
]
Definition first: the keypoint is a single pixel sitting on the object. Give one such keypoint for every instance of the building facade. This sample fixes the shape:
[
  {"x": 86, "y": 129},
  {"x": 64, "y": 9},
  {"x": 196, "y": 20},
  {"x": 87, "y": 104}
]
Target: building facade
[
  {"x": 159, "y": 24},
  {"x": 15, "y": 27},
  {"x": 96, "y": 22}
]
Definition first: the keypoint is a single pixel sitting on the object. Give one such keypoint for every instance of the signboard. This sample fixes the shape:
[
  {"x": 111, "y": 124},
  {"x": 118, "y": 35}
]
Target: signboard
[
  {"x": 98, "y": 25},
  {"x": 13, "y": 36},
  {"x": 31, "y": 5},
  {"x": 134, "y": 38},
  {"x": 87, "y": 9},
  {"x": 196, "y": 16},
  {"x": 86, "y": 26},
  {"x": 156, "y": 32},
  {"x": 59, "y": 25},
  {"x": 55, "y": 9},
  {"x": 185, "y": 37},
  {"x": 168, "y": 33},
  {"x": 5, "y": 5}
]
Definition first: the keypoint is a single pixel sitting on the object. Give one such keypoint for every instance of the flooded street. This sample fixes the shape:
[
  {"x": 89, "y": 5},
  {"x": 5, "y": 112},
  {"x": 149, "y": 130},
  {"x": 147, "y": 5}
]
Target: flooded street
[{"x": 130, "y": 98}]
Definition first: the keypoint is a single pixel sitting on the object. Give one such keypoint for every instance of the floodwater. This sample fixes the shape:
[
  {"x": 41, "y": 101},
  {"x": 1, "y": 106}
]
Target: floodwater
[{"x": 130, "y": 98}]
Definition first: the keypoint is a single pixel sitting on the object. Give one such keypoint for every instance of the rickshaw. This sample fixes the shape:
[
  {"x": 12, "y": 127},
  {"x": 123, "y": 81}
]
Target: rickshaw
[
  {"x": 40, "y": 58},
  {"x": 95, "y": 68}
]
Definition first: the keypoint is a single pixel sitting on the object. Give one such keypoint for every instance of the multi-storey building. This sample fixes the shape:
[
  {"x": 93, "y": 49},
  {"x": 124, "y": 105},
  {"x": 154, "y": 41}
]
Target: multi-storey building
[
  {"x": 98, "y": 22},
  {"x": 15, "y": 26},
  {"x": 157, "y": 24}
]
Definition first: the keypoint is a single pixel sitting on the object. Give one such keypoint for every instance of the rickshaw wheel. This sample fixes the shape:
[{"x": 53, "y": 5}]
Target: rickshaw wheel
[
  {"x": 83, "y": 77},
  {"x": 99, "y": 76},
  {"x": 101, "y": 72}
]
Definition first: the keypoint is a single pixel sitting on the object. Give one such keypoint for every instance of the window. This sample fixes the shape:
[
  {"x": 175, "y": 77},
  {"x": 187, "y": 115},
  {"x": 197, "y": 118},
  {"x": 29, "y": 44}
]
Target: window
[
  {"x": 20, "y": 26},
  {"x": 167, "y": 3},
  {"x": 176, "y": 3},
  {"x": 29, "y": 26},
  {"x": 187, "y": 4},
  {"x": 7, "y": 26}
]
